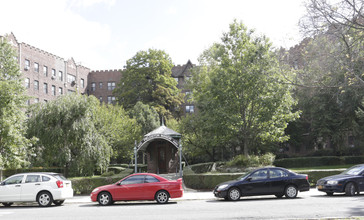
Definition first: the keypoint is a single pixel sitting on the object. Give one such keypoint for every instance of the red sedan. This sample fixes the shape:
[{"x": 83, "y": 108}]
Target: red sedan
[{"x": 139, "y": 186}]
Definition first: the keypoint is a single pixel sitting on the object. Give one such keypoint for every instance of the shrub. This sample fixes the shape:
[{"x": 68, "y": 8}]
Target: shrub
[
  {"x": 207, "y": 181},
  {"x": 318, "y": 161},
  {"x": 252, "y": 160}
]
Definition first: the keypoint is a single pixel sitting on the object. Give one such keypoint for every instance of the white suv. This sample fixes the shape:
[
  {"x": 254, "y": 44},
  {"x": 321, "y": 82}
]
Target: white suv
[{"x": 43, "y": 188}]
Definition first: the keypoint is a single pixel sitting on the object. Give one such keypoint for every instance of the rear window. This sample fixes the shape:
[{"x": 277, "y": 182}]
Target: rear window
[{"x": 59, "y": 176}]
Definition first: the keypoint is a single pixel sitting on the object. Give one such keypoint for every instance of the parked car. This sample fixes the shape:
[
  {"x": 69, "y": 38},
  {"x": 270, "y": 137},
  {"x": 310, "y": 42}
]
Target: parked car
[
  {"x": 44, "y": 188},
  {"x": 264, "y": 181},
  {"x": 139, "y": 186},
  {"x": 350, "y": 181}
]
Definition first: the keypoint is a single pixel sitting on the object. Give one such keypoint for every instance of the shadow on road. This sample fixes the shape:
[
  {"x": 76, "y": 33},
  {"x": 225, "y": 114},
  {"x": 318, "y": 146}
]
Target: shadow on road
[
  {"x": 245, "y": 199},
  {"x": 120, "y": 204}
]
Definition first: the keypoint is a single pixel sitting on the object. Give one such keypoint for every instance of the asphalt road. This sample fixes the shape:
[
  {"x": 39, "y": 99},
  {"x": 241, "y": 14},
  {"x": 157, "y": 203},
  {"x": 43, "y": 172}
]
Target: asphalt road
[{"x": 309, "y": 205}]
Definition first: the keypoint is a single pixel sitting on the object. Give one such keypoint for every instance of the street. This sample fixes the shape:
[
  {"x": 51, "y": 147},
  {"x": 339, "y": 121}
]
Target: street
[{"x": 308, "y": 205}]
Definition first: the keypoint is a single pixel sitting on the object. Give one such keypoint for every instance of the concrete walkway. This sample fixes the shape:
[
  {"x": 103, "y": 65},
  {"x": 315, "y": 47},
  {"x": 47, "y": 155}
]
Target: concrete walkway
[{"x": 191, "y": 195}]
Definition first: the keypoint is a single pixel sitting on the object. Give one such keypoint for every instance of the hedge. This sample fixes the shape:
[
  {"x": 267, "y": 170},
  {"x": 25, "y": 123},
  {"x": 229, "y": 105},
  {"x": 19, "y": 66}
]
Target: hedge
[
  {"x": 318, "y": 161},
  {"x": 209, "y": 181},
  {"x": 84, "y": 185}
]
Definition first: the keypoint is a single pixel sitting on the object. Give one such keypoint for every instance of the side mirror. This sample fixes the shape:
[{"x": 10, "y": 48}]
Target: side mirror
[
  {"x": 249, "y": 179},
  {"x": 2, "y": 183}
]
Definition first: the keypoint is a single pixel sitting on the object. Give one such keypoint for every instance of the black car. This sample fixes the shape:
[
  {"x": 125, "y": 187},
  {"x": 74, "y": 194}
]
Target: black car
[
  {"x": 350, "y": 181},
  {"x": 264, "y": 181}
]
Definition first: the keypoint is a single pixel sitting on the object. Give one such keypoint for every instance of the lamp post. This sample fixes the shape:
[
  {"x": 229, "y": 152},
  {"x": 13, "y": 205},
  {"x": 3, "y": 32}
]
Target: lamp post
[
  {"x": 180, "y": 158},
  {"x": 135, "y": 157}
]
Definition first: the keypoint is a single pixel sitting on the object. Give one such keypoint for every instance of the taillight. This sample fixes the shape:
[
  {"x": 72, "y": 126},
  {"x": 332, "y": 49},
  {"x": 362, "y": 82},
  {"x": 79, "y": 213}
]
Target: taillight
[
  {"x": 306, "y": 177},
  {"x": 59, "y": 184}
]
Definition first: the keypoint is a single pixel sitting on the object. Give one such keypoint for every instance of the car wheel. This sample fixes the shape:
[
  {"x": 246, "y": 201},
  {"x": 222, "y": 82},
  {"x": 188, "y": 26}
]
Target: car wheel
[
  {"x": 58, "y": 202},
  {"x": 104, "y": 198},
  {"x": 291, "y": 192},
  {"x": 162, "y": 197},
  {"x": 279, "y": 195},
  {"x": 350, "y": 189},
  {"x": 329, "y": 193},
  {"x": 7, "y": 204},
  {"x": 44, "y": 199},
  {"x": 234, "y": 194}
]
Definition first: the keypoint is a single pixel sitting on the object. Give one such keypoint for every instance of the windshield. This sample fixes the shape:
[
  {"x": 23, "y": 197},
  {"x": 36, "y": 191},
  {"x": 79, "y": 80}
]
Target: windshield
[
  {"x": 243, "y": 176},
  {"x": 356, "y": 170}
]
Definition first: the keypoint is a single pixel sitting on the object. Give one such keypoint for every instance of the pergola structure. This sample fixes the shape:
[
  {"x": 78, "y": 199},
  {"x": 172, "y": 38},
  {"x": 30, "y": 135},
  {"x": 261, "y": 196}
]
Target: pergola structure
[{"x": 163, "y": 149}]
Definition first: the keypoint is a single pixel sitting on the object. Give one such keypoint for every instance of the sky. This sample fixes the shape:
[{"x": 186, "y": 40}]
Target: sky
[{"x": 104, "y": 34}]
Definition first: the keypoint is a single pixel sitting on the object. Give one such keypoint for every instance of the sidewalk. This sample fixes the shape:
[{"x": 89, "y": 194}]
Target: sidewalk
[
  {"x": 191, "y": 195},
  {"x": 187, "y": 195}
]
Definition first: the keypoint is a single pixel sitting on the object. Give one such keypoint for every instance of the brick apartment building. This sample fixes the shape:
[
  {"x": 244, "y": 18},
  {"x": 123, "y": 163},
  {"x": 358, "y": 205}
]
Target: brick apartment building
[{"x": 47, "y": 76}]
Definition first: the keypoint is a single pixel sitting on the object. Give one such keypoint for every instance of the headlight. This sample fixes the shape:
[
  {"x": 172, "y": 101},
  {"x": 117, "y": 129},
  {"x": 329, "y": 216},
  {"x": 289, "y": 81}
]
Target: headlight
[
  {"x": 95, "y": 190},
  {"x": 332, "y": 182},
  {"x": 222, "y": 187}
]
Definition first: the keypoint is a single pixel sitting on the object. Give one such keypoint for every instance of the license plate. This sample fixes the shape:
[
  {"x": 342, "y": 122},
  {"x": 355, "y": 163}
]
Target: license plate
[{"x": 320, "y": 187}]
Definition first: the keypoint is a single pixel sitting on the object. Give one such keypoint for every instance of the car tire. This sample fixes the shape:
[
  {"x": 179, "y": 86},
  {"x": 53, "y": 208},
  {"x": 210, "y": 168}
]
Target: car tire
[
  {"x": 279, "y": 195},
  {"x": 234, "y": 194},
  {"x": 104, "y": 198},
  {"x": 291, "y": 191},
  {"x": 329, "y": 193},
  {"x": 44, "y": 199},
  {"x": 350, "y": 189},
  {"x": 58, "y": 202},
  {"x": 162, "y": 197},
  {"x": 7, "y": 204}
]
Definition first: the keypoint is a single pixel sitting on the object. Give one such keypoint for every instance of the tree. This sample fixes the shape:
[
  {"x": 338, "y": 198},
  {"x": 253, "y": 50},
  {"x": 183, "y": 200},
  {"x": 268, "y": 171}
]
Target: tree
[
  {"x": 68, "y": 135},
  {"x": 240, "y": 92},
  {"x": 14, "y": 146},
  {"x": 119, "y": 130},
  {"x": 146, "y": 116},
  {"x": 147, "y": 78}
]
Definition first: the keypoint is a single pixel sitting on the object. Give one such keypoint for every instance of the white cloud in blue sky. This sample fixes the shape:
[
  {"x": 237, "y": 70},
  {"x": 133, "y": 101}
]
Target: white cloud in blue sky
[{"x": 103, "y": 34}]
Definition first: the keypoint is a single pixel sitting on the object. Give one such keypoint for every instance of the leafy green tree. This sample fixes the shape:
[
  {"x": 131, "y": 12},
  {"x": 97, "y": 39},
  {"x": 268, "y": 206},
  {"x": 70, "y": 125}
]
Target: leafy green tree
[
  {"x": 240, "y": 92},
  {"x": 69, "y": 135},
  {"x": 147, "y": 78},
  {"x": 119, "y": 130},
  {"x": 14, "y": 146},
  {"x": 146, "y": 116}
]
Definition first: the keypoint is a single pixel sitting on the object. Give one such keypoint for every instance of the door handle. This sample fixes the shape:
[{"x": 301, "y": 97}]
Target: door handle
[
  {"x": 37, "y": 184},
  {"x": 17, "y": 185}
]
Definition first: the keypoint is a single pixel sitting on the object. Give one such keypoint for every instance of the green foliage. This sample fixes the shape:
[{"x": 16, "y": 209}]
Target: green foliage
[
  {"x": 69, "y": 135},
  {"x": 146, "y": 116},
  {"x": 84, "y": 185},
  {"x": 147, "y": 78},
  {"x": 252, "y": 160},
  {"x": 207, "y": 181},
  {"x": 9, "y": 172},
  {"x": 14, "y": 146},
  {"x": 118, "y": 129},
  {"x": 318, "y": 161},
  {"x": 243, "y": 101}
]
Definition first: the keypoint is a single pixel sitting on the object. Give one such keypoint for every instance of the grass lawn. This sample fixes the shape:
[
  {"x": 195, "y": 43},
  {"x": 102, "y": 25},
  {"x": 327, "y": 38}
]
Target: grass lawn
[{"x": 323, "y": 167}]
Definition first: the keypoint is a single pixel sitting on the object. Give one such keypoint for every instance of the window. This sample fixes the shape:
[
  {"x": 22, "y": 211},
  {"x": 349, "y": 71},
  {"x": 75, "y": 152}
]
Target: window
[
  {"x": 133, "y": 180},
  {"x": 110, "y": 86},
  {"x": 93, "y": 86},
  {"x": 45, "y": 70},
  {"x": 45, "y": 100},
  {"x": 190, "y": 109},
  {"x": 60, "y": 75},
  {"x": 60, "y": 91},
  {"x": 53, "y": 73},
  {"x": 82, "y": 83},
  {"x": 27, "y": 102},
  {"x": 45, "y": 178},
  {"x": 36, "y": 100},
  {"x": 150, "y": 179},
  {"x": 100, "y": 85},
  {"x": 27, "y": 65},
  {"x": 70, "y": 91},
  {"x": 176, "y": 78},
  {"x": 259, "y": 175},
  {"x": 53, "y": 90},
  {"x": 100, "y": 98},
  {"x": 14, "y": 180},
  {"x": 111, "y": 99},
  {"x": 276, "y": 173},
  {"x": 27, "y": 83},
  {"x": 36, "y": 67},
  {"x": 71, "y": 78},
  {"x": 32, "y": 179},
  {"x": 36, "y": 85},
  {"x": 45, "y": 88}
]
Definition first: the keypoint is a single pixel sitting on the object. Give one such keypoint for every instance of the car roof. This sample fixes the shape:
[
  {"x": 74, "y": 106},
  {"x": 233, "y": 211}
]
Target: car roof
[{"x": 37, "y": 173}]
